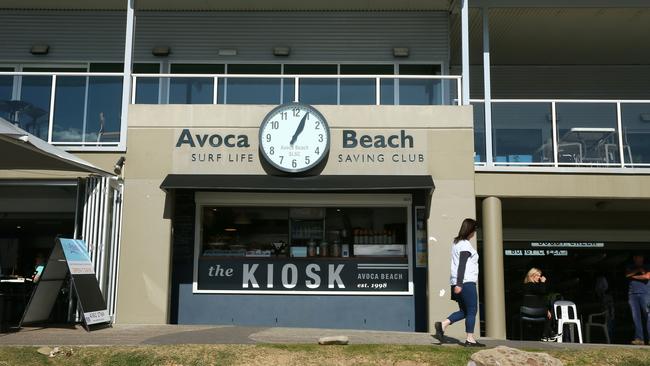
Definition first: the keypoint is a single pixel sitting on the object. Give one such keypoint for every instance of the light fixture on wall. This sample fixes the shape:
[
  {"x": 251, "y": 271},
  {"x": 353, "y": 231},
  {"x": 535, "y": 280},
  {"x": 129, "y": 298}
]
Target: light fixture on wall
[
  {"x": 40, "y": 49},
  {"x": 161, "y": 51},
  {"x": 401, "y": 52},
  {"x": 227, "y": 52},
  {"x": 281, "y": 51}
]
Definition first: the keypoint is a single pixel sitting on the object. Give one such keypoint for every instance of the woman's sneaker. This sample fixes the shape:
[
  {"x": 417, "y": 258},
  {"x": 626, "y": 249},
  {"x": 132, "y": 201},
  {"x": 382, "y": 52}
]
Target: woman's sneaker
[
  {"x": 638, "y": 342},
  {"x": 440, "y": 334}
]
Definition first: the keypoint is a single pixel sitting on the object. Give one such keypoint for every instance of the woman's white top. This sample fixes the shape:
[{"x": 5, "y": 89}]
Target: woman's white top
[{"x": 471, "y": 268}]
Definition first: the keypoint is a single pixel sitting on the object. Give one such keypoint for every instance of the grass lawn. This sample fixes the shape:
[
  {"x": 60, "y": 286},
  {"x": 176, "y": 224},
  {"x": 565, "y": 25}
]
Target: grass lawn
[{"x": 280, "y": 355}]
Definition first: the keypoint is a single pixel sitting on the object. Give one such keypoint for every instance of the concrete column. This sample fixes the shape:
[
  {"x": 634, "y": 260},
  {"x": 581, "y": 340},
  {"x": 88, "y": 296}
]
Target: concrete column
[
  {"x": 464, "y": 27},
  {"x": 493, "y": 284}
]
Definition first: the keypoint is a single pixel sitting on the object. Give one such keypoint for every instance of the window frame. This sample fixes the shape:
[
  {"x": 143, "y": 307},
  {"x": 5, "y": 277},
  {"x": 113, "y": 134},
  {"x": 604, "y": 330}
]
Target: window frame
[{"x": 227, "y": 199}]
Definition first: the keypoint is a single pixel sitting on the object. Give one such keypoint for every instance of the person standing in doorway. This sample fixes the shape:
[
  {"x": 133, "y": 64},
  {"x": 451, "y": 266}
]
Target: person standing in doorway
[
  {"x": 638, "y": 296},
  {"x": 464, "y": 275}
]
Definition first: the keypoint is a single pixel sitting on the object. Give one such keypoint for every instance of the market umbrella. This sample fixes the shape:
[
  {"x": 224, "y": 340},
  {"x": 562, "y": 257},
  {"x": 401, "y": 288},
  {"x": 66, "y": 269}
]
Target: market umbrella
[{"x": 22, "y": 150}]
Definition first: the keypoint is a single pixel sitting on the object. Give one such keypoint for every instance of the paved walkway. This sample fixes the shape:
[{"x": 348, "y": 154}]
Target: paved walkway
[{"x": 204, "y": 334}]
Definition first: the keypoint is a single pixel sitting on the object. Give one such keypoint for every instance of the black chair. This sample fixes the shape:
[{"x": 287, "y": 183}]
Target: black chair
[{"x": 530, "y": 315}]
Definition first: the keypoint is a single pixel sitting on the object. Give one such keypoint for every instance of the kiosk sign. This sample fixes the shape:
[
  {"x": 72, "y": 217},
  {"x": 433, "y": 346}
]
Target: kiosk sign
[{"x": 325, "y": 275}]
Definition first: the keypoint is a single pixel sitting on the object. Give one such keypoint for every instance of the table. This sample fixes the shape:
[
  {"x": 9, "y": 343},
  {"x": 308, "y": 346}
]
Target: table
[{"x": 590, "y": 139}]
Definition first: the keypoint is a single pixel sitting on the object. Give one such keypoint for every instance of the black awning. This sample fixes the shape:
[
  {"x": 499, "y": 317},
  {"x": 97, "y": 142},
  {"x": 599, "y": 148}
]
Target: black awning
[{"x": 320, "y": 183}]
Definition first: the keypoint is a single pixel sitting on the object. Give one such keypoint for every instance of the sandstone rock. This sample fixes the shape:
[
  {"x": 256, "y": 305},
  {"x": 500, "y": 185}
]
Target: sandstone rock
[
  {"x": 340, "y": 340},
  {"x": 44, "y": 351},
  {"x": 506, "y": 356}
]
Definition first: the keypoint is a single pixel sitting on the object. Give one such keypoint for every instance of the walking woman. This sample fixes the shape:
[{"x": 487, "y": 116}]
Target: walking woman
[{"x": 464, "y": 274}]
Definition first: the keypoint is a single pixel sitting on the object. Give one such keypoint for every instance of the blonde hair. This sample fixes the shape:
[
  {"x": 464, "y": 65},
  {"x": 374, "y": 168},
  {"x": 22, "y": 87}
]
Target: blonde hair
[{"x": 530, "y": 274}]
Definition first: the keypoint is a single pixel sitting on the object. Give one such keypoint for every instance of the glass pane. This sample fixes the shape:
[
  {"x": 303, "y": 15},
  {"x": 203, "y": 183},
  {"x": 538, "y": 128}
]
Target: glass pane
[
  {"x": 358, "y": 91},
  {"x": 6, "y": 94},
  {"x": 103, "y": 115},
  {"x": 479, "y": 133},
  {"x": 420, "y": 92},
  {"x": 636, "y": 132},
  {"x": 288, "y": 90},
  {"x": 192, "y": 90},
  {"x": 315, "y": 91},
  {"x": 318, "y": 91},
  {"x": 32, "y": 111},
  {"x": 387, "y": 90},
  {"x": 148, "y": 89},
  {"x": 367, "y": 69},
  {"x": 69, "y": 104},
  {"x": 522, "y": 133},
  {"x": 587, "y": 133},
  {"x": 253, "y": 90}
]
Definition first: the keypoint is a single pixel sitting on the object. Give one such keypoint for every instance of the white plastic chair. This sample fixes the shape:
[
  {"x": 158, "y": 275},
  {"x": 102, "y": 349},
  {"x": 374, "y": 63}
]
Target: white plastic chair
[{"x": 567, "y": 314}]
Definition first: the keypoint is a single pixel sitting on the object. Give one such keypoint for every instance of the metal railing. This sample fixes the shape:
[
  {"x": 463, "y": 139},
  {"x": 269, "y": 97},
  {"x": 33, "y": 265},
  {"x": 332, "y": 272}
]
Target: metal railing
[
  {"x": 562, "y": 135},
  {"x": 448, "y": 87}
]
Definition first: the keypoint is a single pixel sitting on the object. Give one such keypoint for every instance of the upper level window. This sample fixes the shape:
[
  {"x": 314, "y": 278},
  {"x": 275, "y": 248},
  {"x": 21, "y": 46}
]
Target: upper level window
[
  {"x": 193, "y": 90},
  {"x": 253, "y": 90}
]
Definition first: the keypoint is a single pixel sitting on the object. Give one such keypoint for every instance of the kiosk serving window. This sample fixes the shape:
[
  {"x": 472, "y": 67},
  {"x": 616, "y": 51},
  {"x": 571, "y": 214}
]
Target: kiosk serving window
[{"x": 311, "y": 243}]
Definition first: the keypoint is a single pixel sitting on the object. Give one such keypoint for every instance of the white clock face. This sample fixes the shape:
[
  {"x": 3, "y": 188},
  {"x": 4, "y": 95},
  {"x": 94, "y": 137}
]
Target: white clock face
[{"x": 294, "y": 137}]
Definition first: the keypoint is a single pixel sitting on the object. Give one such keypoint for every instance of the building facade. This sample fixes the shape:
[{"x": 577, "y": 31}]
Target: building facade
[{"x": 533, "y": 117}]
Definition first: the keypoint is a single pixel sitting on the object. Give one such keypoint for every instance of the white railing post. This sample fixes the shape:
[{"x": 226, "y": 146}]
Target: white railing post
[
  {"x": 134, "y": 85},
  {"x": 215, "y": 91},
  {"x": 50, "y": 121},
  {"x": 464, "y": 25},
  {"x": 556, "y": 158},
  {"x": 127, "y": 82},
  {"x": 619, "y": 126},
  {"x": 459, "y": 88},
  {"x": 296, "y": 89},
  {"x": 377, "y": 91}
]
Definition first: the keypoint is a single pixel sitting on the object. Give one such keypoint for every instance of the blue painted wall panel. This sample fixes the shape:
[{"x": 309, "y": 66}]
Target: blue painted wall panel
[{"x": 345, "y": 312}]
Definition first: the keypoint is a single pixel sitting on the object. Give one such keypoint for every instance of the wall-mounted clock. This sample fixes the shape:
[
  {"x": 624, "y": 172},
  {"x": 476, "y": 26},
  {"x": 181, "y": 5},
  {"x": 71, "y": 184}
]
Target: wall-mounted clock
[{"x": 294, "y": 137}]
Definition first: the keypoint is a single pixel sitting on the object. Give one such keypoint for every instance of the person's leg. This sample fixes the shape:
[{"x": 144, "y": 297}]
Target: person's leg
[
  {"x": 455, "y": 316},
  {"x": 470, "y": 298},
  {"x": 645, "y": 308},
  {"x": 635, "y": 308}
]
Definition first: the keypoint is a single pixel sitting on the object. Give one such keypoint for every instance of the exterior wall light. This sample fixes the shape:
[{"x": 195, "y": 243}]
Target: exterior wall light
[
  {"x": 40, "y": 49},
  {"x": 227, "y": 52},
  {"x": 401, "y": 52},
  {"x": 281, "y": 51},
  {"x": 161, "y": 51}
]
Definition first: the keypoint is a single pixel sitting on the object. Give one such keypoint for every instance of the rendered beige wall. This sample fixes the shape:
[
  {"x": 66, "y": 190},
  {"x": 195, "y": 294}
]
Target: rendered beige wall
[
  {"x": 562, "y": 185},
  {"x": 443, "y": 133}
]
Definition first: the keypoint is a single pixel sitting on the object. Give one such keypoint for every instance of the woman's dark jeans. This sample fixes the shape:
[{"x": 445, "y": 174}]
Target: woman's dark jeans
[{"x": 468, "y": 305}]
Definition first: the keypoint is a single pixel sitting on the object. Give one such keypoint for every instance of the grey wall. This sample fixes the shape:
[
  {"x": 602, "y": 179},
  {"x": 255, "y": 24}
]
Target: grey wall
[
  {"x": 197, "y": 36},
  {"x": 563, "y": 81}
]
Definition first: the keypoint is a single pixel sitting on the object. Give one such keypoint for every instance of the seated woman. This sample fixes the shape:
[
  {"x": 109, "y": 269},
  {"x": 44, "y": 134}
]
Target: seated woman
[{"x": 535, "y": 296}]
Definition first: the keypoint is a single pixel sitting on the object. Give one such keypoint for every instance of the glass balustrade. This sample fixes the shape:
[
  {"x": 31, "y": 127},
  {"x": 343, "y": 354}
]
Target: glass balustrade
[
  {"x": 311, "y": 90},
  {"x": 86, "y": 109},
  {"x": 635, "y": 120}
]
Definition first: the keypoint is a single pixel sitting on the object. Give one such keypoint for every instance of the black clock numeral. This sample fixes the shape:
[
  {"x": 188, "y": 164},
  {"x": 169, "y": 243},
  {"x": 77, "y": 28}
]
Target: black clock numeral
[
  {"x": 268, "y": 137},
  {"x": 307, "y": 160},
  {"x": 271, "y": 150},
  {"x": 320, "y": 137},
  {"x": 283, "y": 116},
  {"x": 281, "y": 158},
  {"x": 317, "y": 151},
  {"x": 296, "y": 112},
  {"x": 317, "y": 125},
  {"x": 294, "y": 163},
  {"x": 275, "y": 125}
]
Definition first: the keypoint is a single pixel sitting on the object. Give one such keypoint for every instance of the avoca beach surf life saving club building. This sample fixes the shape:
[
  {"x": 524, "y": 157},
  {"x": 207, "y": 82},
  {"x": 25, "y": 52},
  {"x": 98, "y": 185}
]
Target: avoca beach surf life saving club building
[{"x": 308, "y": 164}]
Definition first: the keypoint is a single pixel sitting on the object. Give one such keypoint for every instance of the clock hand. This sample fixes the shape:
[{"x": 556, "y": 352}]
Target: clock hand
[{"x": 301, "y": 126}]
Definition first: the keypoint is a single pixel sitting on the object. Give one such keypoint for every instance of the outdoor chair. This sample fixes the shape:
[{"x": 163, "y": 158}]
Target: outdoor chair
[
  {"x": 603, "y": 324},
  {"x": 567, "y": 314},
  {"x": 530, "y": 315}
]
